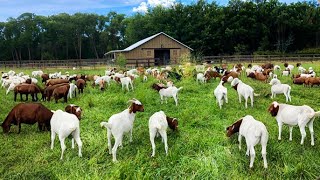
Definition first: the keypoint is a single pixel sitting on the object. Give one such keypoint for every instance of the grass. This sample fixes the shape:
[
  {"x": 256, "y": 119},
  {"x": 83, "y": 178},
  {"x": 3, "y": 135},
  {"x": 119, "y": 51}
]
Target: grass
[{"x": 200, "y": 150}]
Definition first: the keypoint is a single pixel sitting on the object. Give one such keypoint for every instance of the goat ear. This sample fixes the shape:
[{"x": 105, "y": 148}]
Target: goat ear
[
  {"x": 227, "y": 128},
  {"x": 275, "y": 104}
]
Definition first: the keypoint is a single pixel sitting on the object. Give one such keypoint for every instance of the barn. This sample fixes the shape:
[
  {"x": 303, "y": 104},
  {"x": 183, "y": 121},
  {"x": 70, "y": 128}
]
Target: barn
[{"x": 159, "y": 49}]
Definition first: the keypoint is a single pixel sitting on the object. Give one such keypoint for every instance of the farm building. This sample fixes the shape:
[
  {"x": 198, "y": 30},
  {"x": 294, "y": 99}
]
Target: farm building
[{"x": 159, "y": 49}]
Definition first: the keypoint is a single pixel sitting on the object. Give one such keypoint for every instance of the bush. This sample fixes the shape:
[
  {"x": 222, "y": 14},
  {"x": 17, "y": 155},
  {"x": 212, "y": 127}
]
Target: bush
[{"x": 121, "y": 61}]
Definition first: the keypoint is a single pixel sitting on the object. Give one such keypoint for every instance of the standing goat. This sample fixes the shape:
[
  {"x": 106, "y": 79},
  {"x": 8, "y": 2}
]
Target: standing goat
[
  {"x": 254, "y": 132},
  {"x": 158, "y": 123},
  {"x": 294, "y": 115},
  {"x": 221, "y": 93},
  {"x": 121, "y": 123},
  {"x": 169, "y": 92},
  {"x": 243, "y": 90},
  {"x": 64, "y": 124},
  {"x": 278, "y": 88}
]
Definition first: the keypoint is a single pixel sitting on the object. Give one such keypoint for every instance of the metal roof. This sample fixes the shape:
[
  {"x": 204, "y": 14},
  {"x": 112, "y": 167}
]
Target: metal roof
[{"x": 139, "y": 43}]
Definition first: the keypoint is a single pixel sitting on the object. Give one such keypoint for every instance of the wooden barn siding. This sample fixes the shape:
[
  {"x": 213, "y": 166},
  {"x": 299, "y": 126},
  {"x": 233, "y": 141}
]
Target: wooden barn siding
[{"x": 167, "y": 43}]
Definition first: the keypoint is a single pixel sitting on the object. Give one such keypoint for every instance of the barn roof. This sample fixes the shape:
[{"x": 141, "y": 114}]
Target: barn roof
[{"x": 141, "y": 42}]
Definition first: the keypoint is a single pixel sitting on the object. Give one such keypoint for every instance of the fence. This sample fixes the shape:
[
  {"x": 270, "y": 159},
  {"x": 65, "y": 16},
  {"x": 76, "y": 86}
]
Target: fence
[
  {"x": 70, "y": 63},
  {"x": 92, "y": 63},
  {"x": 260, "y": 58}
]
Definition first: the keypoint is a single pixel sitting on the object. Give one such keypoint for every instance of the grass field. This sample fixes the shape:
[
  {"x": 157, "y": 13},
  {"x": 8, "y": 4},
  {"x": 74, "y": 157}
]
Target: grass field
[{"x": 200, "y": 150}]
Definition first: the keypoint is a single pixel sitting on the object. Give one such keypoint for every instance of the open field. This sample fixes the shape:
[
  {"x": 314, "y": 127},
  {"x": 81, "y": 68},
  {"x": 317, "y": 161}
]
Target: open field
[{"x": 200, "y": 150}]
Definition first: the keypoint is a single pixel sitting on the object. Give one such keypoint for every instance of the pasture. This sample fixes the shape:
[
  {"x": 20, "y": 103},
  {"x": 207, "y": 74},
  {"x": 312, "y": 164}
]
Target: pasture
[{"x": 200, "y": 150}]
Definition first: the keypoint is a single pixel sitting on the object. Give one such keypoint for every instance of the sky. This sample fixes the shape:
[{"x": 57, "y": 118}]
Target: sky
[{"x": 14, "y": 8}]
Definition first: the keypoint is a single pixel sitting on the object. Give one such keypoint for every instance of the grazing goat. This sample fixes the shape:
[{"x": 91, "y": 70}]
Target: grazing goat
[
  {"x": 125, "y": 81},
  {"x": 158, "y": 123},
  {"x": 121, "y": 123},
  {"x": 72, "y": 90},
  {"x": 80, "y": 84},
  {"x": 169, "y": 92},
  {"x": 63, "y": 124},
  {"x": 243, "y": 90},
  {"x": 254, "y": 132},
  {"x": 201, "y": 78},
  {"x": 221, "y": 93},
  {"x": 74, "y": 109},
  {"x": 28, "y": 113},
  {"x": 61, "y": 92},
  {"x": 278, "y": 88},
  {"x": 294, "y": 115}
]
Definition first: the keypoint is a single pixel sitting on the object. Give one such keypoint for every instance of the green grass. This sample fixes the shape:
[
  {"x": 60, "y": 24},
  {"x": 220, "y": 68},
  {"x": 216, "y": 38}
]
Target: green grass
[{"x": 200, "y": 150}]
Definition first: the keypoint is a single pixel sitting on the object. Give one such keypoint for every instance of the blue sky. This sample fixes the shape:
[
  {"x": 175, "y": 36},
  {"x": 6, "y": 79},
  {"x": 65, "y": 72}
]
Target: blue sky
[{"x": 13, "y": 8}]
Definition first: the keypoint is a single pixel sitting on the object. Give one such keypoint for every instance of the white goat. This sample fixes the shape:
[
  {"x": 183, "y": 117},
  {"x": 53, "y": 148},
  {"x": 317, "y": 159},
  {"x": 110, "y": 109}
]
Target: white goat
[
  {"x": 254, "y": 132},
  {"x": 158, "y": 124},
  {"x": 64, "y": 124},
  {"x": 221, "y": 93},
  {"x": 276, "y": 68},
  {"x": 121, "y": 123},
  {"x": 125, "y": 81},
  {"x": 285, "y": 73},
  {"x": 278, "y": 88},
  {"x": 169, "y": 92},
  {"x": 201, "y": 78},
  {"x": 294, "y": 115},
  {"x": 145, "y": 78},
  {"x": 72, "y": 90},
  {"x": 243, "y": 90},
  {"x": 37, "y": 73}
]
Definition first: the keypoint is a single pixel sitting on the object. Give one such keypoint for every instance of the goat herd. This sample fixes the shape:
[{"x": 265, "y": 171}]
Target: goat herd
[{"x": 65, "y": 123}]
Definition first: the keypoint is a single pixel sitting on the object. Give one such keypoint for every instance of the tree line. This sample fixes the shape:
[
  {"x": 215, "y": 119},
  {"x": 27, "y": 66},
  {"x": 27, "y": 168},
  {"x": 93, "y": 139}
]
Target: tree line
[{"x": 240, "y": 27}]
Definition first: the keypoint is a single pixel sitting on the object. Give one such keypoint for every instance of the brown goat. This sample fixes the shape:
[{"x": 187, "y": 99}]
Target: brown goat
[
  {"x": 27, "y": 89},
  {"x": 158, "y": 86},
  {"x": 44, "y": 77},
  {"x": 28, "y": 113},
  {"x": 211, "y": 74},
  {"x": 56, "y": 81},
  {"x": 312, "y": 81},
  {"x": 74, "y": 109},
  {"x": 80, "y": 84},
  {"x": 61, "y": 92},
  {"x": 267, "y": 66},
  {"x": 299, "y": 80},
  {"x": 47, "y": 93},
  {"x": 261, "y": 77},
  {"x": 172, "y": 123}
]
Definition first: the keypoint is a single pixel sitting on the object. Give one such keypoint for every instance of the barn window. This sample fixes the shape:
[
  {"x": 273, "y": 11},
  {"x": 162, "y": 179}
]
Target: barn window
[
  {"x": 175, "y": 52},
  {"x": 148, "y": 53}
]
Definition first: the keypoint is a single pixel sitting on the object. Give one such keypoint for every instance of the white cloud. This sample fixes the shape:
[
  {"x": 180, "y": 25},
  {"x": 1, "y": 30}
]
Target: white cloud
[{"x": 143, "y": 7}]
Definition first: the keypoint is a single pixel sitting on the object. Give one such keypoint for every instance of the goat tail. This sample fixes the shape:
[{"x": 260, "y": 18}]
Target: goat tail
[
  {"x": 317, "y": 114},
  {"x": 254, "y": 94},
  {"x": 104, "y": 124},
  {"x": 180, "y": 88}
]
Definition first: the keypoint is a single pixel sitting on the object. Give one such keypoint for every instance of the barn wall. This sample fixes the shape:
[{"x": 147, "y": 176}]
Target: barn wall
[{"x": 146, "y": 51}]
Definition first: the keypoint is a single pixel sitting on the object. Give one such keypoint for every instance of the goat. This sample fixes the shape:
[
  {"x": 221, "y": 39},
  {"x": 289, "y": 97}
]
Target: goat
[
  {"x": 74, "y": 109},
  {"x": 294, "y": 115},
  {"x": 63, "y": 124},
  {"x": 169, "y": 92},
  {"x": 278, "y": 88},
  {"x": 158, "y": 123},
  {"x": 243, "y": 90},
  {"x": 28, "y": 113},
  {"x": 72, "y": 90},
  {"x": 221, "y": 93},
  {"x": 201, "y": 78},
  {"x": 125, "y": 81},
  {"x": 80, "y": 84},
  {"x": 61, "y": 92},
  {"x": 254, "y": 132},
  {"x": 121, "y": 123}
]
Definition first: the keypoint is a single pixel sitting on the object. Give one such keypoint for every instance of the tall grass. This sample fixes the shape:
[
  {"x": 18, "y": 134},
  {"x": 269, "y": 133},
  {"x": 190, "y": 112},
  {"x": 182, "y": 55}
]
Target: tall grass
[{"x": 200, "y": 150}]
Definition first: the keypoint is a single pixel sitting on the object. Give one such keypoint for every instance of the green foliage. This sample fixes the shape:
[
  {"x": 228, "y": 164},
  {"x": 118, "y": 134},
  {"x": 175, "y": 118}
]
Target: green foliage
[{"x": 121, "y": 60}]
